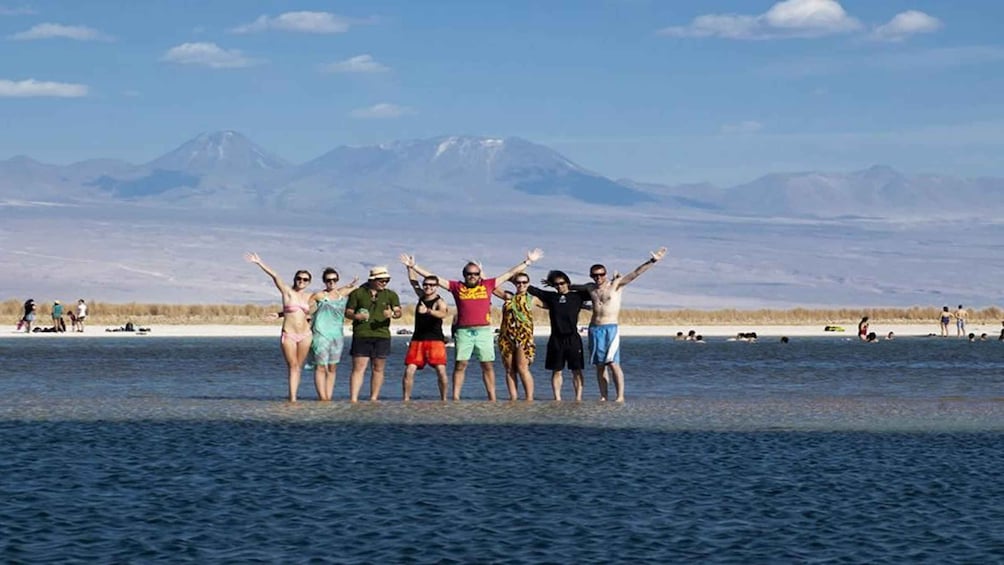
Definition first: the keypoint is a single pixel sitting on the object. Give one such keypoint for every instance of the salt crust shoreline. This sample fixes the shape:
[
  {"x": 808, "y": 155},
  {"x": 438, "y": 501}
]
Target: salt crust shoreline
[{"x": 716, "y": 332}]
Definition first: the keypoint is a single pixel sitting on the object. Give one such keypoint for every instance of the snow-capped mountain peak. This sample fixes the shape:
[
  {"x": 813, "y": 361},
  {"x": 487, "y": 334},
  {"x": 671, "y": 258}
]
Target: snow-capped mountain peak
[{"x": 218, "y": 151}]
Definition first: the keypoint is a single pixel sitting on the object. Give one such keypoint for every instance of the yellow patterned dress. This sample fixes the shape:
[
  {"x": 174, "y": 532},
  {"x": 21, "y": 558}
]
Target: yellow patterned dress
[{"x": 517, "y": 327}]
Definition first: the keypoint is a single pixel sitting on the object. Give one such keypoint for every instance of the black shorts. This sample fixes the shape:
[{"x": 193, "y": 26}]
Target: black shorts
[
  {"x": 564, "y": 350},
  {"x": 372, "y": 347}
]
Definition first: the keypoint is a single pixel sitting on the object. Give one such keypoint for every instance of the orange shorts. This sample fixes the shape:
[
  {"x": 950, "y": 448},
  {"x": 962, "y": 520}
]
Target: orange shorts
[{"x": 422, "y": 353}]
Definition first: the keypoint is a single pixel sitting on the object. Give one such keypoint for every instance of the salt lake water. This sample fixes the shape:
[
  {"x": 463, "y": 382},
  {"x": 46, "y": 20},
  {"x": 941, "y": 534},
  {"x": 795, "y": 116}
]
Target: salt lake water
[{"x": 142, "y": 449}]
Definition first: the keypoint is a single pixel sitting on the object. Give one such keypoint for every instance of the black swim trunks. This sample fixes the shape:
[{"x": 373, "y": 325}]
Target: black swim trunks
[{"x": 564, "y": 350}]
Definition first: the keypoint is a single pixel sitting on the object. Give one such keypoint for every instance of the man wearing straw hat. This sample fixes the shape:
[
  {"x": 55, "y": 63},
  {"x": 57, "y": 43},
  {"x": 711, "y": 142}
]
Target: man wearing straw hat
[{"x": 371, "y": 308}]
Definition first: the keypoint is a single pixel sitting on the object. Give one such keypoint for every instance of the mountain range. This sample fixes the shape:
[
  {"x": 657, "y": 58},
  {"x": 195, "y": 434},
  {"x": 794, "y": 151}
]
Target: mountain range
[
  {"x": 225, "y": 170},
  {"x": 174, "y": 229}
]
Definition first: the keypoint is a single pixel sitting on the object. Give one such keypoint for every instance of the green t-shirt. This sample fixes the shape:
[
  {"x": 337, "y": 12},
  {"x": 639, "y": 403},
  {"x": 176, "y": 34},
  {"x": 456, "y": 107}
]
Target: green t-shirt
[{"x": 378, "y": 325}]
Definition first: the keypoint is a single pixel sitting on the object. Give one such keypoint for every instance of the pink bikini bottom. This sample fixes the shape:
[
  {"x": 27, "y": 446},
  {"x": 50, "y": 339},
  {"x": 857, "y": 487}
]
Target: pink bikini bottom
[{"x": 296, "y": 338}]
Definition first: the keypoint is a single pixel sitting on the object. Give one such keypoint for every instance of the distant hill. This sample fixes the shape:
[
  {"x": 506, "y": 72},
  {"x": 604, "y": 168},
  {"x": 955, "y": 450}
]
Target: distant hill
[
  {"x": 174, "y": 229},
  {"x": 225, "y": 170}
]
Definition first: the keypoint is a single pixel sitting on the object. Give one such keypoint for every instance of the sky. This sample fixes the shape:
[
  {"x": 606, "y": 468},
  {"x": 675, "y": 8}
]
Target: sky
[{"x": 670, "y": 92}]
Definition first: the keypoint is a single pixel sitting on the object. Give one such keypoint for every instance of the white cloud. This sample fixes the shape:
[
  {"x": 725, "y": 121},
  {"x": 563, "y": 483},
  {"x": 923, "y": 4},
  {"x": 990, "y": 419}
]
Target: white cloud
[
  {"x": 378, "y": 111},
  {"x": 301, "y": 22},
  {"x": 357, "y": 64},
  {"x": 905, "y": 24},
  {"x": 742, "y": 128},
  {"x": 788, "y": 18},
  {"x": 32, "y": 88},
  {"x": 53, "y": 31},
  {"x": 208, "y": 55}
]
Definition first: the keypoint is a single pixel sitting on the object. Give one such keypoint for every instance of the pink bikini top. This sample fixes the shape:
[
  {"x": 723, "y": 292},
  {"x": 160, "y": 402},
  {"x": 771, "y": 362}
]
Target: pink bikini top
[{"x": 290, "y": 308}]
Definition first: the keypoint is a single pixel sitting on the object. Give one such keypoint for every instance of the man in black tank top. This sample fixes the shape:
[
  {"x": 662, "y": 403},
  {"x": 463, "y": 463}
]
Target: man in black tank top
[{"x": 428, "y": 344}]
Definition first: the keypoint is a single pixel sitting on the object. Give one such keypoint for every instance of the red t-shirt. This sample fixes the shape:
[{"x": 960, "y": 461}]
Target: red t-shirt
[{"x": 474, "y": 305}]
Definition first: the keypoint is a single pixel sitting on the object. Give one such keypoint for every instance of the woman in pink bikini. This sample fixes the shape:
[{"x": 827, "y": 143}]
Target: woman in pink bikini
[{"x": 296, "y": 334}]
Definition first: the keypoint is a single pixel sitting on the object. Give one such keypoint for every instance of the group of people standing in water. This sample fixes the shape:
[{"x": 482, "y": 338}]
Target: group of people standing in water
[{"x": 312, "y": 332}]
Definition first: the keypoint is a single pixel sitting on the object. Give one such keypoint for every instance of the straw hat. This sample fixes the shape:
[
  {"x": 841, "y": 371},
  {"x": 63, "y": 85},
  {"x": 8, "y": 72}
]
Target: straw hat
[{"x": 379, "y": 273}]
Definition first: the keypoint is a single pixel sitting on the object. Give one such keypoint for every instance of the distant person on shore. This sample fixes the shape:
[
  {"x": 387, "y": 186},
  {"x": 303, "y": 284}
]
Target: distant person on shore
[
  {"x": 371, "y": 307},
  {"x": 296, "y": 336},
  {"x": 328, "y": 327},
  {"x": 564, "y": 347},
  {"x": 960, "y": 321},
  {"x": 81, "y": 314},
  {"x": 604, "y": 337},
  {"x": 58, "y": 324},
  {"x": 474, "y": 335},
  {"x": 946, "y": 318},
  {"x": 428, "y": 343},
  {"x": 890, "y": 336},
  {"x": 863, "y": 329},
  {"x": 516, "y": 344},
  {"x": 784, "y": 339},
  {"x": 28, "y": 317},
  {"x": 1001, "y": 338},
  {"x": 872, "y": 337},
  {"x": 679, "y": 337},
  {"x": 972, "y": 337}
]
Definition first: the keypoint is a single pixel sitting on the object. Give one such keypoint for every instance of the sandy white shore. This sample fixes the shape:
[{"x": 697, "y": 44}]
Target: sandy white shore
[{"x": 716, "y": 332}]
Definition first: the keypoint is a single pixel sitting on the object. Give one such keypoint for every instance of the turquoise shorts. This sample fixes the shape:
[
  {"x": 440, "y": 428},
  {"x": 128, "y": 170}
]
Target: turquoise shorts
[{"x": 479, "y": 340}]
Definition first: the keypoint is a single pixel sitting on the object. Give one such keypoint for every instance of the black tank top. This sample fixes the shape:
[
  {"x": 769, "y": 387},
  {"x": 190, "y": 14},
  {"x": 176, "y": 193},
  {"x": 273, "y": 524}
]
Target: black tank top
[{"x": 427, "y": 326}]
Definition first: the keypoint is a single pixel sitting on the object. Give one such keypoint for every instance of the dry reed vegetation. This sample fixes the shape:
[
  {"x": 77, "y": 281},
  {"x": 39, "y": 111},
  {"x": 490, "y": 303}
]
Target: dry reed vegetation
[{"x": 110, "y": 314}]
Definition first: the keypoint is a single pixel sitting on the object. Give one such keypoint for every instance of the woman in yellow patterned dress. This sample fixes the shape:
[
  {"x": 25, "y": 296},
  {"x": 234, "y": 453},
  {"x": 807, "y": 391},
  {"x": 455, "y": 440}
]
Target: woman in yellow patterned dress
[{"x": 516, "y": 336}]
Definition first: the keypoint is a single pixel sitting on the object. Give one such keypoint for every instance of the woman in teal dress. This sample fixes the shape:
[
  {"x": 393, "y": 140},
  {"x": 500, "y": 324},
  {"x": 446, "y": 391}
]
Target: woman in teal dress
[{"x": 327, "y": 326}]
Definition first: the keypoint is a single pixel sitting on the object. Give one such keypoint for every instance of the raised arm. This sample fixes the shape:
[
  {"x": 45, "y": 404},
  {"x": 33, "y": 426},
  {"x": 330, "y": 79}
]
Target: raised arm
[
  {"x": 656, "y": 255},
  {"x": 254, "y": 258},
  {"x": 413, "y": 280},
  {"x": 531, "y": 256},
  {"x": 343, "y": 290},
  {"x": 409, "y": 261}
]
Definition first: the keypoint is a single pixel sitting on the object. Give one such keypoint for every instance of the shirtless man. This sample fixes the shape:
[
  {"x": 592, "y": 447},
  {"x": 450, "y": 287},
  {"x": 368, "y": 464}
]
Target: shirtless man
[
  {"x": 960, "y": 316},
  {"x": 604, "y": 339}
]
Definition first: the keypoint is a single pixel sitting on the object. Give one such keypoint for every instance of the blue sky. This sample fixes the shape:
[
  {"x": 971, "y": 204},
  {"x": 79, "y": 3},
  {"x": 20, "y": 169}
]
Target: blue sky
[{"x": 652, "y": 90}]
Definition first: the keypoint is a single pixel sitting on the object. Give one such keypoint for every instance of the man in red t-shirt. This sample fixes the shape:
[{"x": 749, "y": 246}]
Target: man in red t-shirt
[{"x": 474, "y": 333}]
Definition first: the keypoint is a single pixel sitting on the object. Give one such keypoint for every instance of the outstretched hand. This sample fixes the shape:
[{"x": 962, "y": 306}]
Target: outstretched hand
[
  {"x": 659, "y": 253},
  {"x": 534, "y": 254},
  {"x": 252, "y": 258},
  {"x": 407, "y": 260}
]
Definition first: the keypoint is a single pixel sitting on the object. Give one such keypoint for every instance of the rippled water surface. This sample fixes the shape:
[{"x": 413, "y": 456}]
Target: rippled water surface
[{"x": 823, "y": 450}]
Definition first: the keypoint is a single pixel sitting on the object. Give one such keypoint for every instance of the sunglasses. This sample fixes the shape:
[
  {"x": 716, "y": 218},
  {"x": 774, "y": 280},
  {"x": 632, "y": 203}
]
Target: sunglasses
[
  {"x": 382, "y": 280},
  {"x": 330, "y": 280},
  {"x": 522, "y": 282},
  {"x": 560, "y": 283},
  {"x": 594, "y": 275},
  {"x": 430, "y": 285},
  {"x": 301, "y": 279},
  {"x": 477, "y": 274}
]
